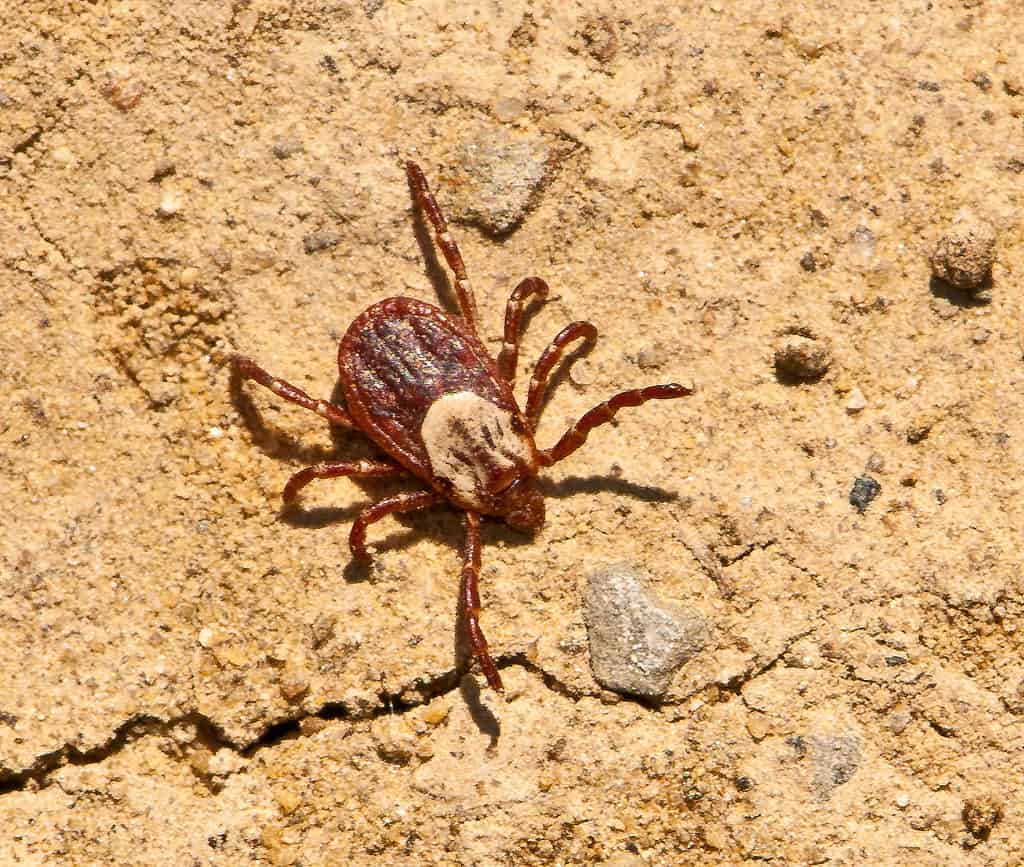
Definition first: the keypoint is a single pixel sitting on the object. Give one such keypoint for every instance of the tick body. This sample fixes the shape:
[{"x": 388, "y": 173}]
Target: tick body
[{"x": 421, "y": 385}]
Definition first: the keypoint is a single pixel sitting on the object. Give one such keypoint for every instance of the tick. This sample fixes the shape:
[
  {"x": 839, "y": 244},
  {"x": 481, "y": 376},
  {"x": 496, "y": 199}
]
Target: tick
[{"x": 423, "y": 387}]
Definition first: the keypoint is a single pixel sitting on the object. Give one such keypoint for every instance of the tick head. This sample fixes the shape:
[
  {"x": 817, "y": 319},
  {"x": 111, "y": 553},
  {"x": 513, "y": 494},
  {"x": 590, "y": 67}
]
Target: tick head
[{"x": 522, "y": 505}]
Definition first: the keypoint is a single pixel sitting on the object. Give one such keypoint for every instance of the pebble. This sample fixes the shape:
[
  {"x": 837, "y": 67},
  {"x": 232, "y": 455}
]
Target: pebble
[
  {"x": 803, "y": 357},
  {"x": 503, "y": 175},
  {"x": 864, "y": 490},
  {"x": 857, "y": 402},
  {"x": 323, "y": 239},
  {"x": 834, "y": 759},
  {"x": 286, "y": 147},
  {"x": 963, "y": 256},
  {"x": 169, "y": 205},
  {"x": 637, "y": 642},
  {"x": 63, "y": 156},
  {"x": 981, "y": 815}
]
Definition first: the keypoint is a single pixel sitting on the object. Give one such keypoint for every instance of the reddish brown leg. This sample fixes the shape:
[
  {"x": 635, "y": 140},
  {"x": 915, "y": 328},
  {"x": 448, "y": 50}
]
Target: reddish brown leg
[
  {"x": 248, "y": 369},
  {"x": 443, "y": 238},
  {"x": 573, "y": 331},
  {"x": 573, "y": 438},
  {"x": 513, "y": 324},
  {"x": 469, "y": 595},
  {"x": 388, "y": 506},
  {"x": 362, "y": 469}
]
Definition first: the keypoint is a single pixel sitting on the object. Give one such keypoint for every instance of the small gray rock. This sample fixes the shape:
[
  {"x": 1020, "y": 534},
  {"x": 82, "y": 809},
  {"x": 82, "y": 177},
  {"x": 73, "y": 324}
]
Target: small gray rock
[
  {"x": 963, "y": 257},
  {"x": 834, "y": 760},
  {"x": 324, "y": 239},
  {"x": 286, "y": 147},
  {"x": 502, "y": 174},
  {"x": 637, "y": 642}
]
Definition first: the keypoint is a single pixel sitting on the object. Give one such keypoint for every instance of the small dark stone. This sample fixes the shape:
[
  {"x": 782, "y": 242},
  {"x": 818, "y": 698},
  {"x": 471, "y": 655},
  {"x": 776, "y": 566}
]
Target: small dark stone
[
  {"x": 321, "y": 240},
  {"x": 329, "y": 63},
  {"x": 918, "y": 432},
  {"x": 744, "y": 784},
  {"x": 864, "y": 490},
  {"x": 808, "y": 262},
  {"x": 940, "y": 496},
  {"x": 802, "y": 357},
  {"x": 933, "y": 86},
  {"x": 982, "y": 81},
  {"x": 798, "y": 745},
  {"x": 981, "y": 816},
  {"x": 964, "y": 255},
  {"x": 895, "y": 660},
  {"x": 285, "y": 147}
]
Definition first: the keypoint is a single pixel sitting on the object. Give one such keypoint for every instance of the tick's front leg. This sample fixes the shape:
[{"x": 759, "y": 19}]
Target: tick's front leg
[{"x": 469, "y": 595}]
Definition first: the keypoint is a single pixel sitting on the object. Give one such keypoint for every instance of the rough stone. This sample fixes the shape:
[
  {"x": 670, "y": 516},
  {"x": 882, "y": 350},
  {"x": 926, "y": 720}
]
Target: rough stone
[
  {"x": 803, "y": 357},
  {"x": 964, "y": 255},
  {"x": 834, "y": 760},
  {"x": 501, "y": 175},
  {"x": 637, "y": 642}
]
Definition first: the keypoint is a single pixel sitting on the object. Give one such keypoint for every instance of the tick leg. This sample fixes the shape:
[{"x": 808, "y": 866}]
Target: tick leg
[
  {"x": 573, "y": 331},
  {"x": 573, "y": 438},
  {"x": 361, "y": 469},
  {"x": 249, "y": 369},
  {"x": 513, "y": 321},
  {"x": 388, "y": 506},
  {"x": 469, "y": 595},
  {"x": 443, "y": 238}
]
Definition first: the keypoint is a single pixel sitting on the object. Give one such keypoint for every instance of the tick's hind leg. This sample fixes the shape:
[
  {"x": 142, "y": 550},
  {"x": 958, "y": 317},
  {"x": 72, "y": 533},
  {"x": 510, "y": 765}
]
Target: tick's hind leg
[
  {"x": 389, "y": 506},
  {"x": 443, "y": 238},
  {"x": 246, "y": 368},
  {"x": 549, "y": 358},
  {"x": 359, "y": 469},
  {"x": 573, "y": 438},
  {"x": 469, "y": 596},
  {"x": 513, "y": 324}
]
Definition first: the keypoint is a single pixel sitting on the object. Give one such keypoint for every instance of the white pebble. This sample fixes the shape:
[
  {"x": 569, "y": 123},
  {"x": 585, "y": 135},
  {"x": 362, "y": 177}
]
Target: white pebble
[
  {"x": 857, "y": 401},
  {"x": 169, "y": 205}
]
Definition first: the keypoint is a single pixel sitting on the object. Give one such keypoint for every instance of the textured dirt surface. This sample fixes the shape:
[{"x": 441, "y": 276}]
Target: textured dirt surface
[{"x": 189, "y": 676}]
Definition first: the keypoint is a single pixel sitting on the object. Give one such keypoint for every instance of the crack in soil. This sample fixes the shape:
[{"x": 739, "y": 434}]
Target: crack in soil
[{"x": 211, "y": 735}]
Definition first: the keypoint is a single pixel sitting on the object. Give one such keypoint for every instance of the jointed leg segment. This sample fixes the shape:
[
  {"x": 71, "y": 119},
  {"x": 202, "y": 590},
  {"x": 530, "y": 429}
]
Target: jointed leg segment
[
  {"x": 428, "y": 205},
  {"x": 360, "y": 469},
  {"x": 249, "y": 369},
  {"x": 469, "y": 596},
  {"x": 388, "y": 506},
  {"x": 550, "y": 357},
  {"x": 509, "y": 355},
  {"x": 573, "y": 438}
]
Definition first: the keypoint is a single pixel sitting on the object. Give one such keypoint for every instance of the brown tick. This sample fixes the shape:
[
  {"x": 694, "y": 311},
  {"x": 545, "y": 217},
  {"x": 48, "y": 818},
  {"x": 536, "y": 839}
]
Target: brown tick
[{"x": 422, "y": 386}]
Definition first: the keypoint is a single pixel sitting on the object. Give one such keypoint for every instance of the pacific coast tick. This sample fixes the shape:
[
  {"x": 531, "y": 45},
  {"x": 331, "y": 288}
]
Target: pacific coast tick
[{"x": 421, "y": 385}]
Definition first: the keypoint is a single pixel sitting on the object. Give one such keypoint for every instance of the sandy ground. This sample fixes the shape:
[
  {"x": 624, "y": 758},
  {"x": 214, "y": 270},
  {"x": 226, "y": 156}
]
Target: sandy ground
[{"x": 192, "y": 677}]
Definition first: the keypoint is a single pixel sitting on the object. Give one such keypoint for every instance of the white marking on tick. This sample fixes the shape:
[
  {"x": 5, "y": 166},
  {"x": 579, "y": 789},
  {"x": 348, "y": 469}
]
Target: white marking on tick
[{"x": 471, "y": 443}]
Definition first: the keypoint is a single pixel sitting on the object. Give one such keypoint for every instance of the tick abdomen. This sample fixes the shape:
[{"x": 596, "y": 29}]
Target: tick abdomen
[{"x": 398, "y": 359}]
